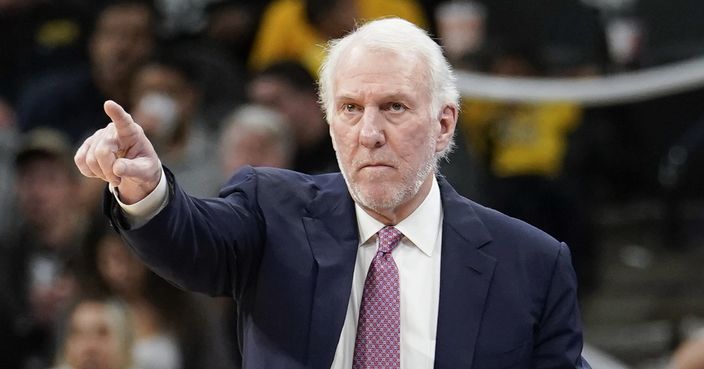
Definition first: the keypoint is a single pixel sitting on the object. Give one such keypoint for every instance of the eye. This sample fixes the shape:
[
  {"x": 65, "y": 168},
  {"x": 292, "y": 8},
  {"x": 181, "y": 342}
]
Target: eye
[
  {"x": 350, "y": 108},
  {"x": 396, "y": 107}
]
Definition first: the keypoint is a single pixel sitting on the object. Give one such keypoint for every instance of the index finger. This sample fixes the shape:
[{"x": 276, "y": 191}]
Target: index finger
[{"x": 124, "y": 124}]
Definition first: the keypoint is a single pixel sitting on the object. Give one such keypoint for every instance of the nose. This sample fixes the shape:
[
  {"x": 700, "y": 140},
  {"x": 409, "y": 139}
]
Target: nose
[{"x": 371, "y": 133}]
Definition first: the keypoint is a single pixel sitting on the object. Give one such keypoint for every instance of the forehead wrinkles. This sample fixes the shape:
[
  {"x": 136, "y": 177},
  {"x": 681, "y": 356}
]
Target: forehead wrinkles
[{"x": 363, "y": 71}]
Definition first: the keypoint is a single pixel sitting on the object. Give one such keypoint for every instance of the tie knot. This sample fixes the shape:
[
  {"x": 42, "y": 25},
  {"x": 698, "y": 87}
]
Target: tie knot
[{"x": 389, "y": 238}]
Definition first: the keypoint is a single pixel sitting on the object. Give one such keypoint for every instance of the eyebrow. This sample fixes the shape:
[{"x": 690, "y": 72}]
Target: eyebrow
[{"x": 392, "y": 96}]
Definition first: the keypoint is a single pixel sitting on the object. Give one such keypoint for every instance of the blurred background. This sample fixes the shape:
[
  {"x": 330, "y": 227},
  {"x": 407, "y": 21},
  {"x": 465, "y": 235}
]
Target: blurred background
[{"x": 582, "y": 117}]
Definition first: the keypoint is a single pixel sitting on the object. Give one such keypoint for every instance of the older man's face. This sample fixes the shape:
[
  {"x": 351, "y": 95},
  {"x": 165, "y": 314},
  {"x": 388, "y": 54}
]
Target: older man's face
[{"x": 384, "y": 133}]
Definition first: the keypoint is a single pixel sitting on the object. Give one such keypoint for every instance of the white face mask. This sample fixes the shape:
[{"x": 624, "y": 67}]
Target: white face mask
[{"x": 162, "y": 110}]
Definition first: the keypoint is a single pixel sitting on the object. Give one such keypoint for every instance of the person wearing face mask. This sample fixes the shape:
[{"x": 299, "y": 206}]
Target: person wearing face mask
[
  {"x": 166, "y": 98},
  {"x": 383, "y": 265}
]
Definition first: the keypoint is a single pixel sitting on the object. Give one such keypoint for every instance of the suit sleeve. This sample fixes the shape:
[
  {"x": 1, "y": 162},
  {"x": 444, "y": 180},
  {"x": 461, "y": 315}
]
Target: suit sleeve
[
  {"x": 204, "y": 245},
  {"x": 559, "y": 338}
]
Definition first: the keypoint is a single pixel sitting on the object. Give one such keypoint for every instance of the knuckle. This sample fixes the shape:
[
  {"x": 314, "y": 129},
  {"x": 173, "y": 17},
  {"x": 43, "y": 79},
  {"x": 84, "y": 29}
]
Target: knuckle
[
  {"x": 86, "y": 172},
  {"x": 103, "y": 151},
  {"x": 91, "y": 161}
]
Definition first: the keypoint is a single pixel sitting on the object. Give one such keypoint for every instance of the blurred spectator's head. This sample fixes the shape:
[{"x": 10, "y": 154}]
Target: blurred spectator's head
[
  {"x": 332, "y": 18},
  {"x": 165, "y": 97},
  {"x": 230, "y": 23},
  {"x": 123, "y": 38},
  {"x": 515, "y": 59},
  {"x": 461, "y": 29},
  {"x": 257, "y": 136},
  {"x": 51, "y": 288},
  {"x": 46, "y": 179},
  {"x": 97, "y": 334},
  {"x": 124, "y": 274},
  {"x": 289, "y": 88}
]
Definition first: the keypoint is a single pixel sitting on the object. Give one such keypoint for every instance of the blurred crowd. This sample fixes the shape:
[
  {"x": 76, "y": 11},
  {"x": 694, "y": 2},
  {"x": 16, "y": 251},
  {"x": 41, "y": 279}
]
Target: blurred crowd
[{"x": 218, "y": 84}]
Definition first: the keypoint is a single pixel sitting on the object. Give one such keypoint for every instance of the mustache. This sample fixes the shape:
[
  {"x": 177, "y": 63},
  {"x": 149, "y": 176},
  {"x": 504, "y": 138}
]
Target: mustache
[{"x": 367, "y": 160}]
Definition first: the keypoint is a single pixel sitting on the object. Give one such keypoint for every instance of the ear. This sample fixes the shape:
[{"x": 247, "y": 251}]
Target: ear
[
  {"x": 447, "y": 121},
  {"x": 332, "y": 136}
]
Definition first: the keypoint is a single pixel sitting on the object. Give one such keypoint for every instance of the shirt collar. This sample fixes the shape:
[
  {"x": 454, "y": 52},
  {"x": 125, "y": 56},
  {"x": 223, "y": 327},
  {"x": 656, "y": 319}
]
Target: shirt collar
[{"x": 415, "y": 227}]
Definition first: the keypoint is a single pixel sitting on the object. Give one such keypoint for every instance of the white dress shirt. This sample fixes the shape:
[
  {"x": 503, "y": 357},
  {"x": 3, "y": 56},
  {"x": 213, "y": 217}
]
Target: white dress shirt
[{"x": 417, "y": 258}]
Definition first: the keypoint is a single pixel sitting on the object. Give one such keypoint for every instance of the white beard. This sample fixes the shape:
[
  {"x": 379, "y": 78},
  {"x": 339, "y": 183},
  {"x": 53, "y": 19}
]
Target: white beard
[{"x": 410, "y": 184}]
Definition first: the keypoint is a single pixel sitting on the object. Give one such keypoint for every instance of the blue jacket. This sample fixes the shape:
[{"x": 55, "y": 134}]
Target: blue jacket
[{"x": 283, "y": 245}]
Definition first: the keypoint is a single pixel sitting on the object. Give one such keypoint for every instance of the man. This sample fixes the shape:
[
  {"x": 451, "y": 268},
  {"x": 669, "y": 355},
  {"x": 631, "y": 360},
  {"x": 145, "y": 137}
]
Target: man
[
  {"x": 254, "y": 135},
  {"x": 466, "y": 287},
  {"x": 41, "y": 257},
  {"x": 167, "y": 100}
]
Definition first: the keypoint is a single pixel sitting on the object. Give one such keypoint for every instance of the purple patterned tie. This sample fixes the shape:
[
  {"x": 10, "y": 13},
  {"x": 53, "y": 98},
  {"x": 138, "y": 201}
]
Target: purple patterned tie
[{"x": 378, "y": 343}]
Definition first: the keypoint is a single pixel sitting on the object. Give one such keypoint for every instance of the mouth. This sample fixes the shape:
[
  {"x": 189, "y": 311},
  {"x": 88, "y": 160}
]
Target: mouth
[{"x": 376, "y": 166}]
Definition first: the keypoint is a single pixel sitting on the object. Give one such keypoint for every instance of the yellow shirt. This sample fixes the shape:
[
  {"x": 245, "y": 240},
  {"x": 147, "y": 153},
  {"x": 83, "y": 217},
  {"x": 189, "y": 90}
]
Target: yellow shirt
[
  {"x": 285, "y": 33},
  {"x": 520, "y": 139}
]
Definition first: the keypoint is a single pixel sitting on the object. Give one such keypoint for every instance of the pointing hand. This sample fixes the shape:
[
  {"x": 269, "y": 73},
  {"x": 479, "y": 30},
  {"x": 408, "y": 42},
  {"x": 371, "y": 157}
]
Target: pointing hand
[{"x": 122, "y": 155}]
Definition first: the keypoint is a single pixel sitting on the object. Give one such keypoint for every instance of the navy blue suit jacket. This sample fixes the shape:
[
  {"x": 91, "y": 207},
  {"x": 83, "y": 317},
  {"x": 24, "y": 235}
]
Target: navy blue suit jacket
[{"x": 283, "y": 245}]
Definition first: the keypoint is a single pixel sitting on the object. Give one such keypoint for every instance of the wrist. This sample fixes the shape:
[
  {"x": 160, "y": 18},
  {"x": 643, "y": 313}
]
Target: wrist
[{"x": 131, "y": 192}]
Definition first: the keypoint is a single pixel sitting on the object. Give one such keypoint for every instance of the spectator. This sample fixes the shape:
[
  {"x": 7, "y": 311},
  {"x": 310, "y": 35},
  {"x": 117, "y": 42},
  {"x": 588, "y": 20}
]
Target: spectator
[
  {"x": 290, "y": 89},
  {"x": 96, "y": 335},
  {"x": 38, "y": 37},
  {"x": 181, "y": 18},
  {"x": 257, "y": 136},
  {"x": 121, "y": 41},
  {"x": 461, "y": 29},
  {"x": 166, "y": 97},
  {"x": 297, "y": 29},
  {"x": 125, "y": 276},
  {"x": 168, "y": 324},
  {"x": 43, "y": 256},
  {"x": 523, "y": 148},
  {"x": 232, "y": 25}
]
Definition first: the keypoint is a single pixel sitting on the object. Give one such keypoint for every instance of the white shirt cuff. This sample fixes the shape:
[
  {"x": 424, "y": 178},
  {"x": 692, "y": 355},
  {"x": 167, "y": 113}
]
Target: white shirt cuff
[{"x": 141, "y": 212}]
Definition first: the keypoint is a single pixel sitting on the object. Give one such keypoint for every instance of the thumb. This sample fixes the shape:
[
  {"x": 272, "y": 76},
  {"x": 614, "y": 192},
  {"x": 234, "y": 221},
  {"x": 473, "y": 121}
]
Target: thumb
[
  {"x": 140, "y": 170},
  {"x": 124, "y": 124}
]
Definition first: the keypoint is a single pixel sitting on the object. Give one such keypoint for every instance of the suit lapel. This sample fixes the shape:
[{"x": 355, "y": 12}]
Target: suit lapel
[
  {"x": 331, "y": 228},
  {"x": 465, "y": 276}
]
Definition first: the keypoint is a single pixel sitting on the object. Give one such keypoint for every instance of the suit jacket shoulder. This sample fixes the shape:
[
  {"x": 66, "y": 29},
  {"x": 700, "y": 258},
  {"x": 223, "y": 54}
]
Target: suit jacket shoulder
[{"x": 507, "y": 293}]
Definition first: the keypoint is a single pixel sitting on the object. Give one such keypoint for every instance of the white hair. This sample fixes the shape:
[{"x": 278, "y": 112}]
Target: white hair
[
  {"x": 399, "y": 37},
  {"x": 258, "y": 118}
]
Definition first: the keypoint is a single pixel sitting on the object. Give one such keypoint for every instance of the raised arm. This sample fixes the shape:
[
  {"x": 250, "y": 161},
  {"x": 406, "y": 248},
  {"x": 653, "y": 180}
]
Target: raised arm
[{"x": 204, "y": 245}]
